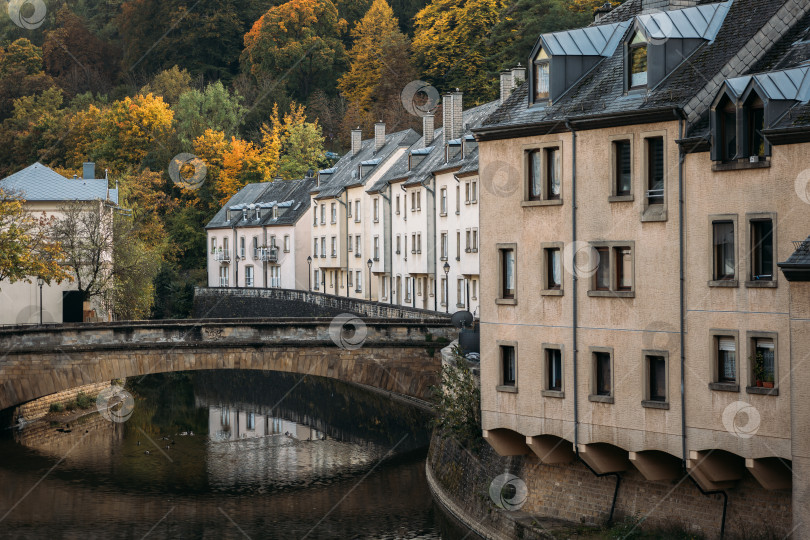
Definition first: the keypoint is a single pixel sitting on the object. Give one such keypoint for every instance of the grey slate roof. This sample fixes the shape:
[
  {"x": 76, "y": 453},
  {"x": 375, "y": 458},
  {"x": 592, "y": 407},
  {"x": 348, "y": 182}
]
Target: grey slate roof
[
  {"x": 601, "y": 91},
  {"x": 290, "y": 196},
  {"x": 346, "y": 171},
  {"x": 40, "y": 183},
  {"x": 691, "y": 23},
  {"x": 600, "y": 40},
  {"x": 434, "y": 154}
]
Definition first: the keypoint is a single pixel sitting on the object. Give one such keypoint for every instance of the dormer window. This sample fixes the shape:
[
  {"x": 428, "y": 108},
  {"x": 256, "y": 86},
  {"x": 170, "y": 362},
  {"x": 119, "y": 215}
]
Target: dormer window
[
  {"x": 541, "y": 76},
  {"x": 727, "y": 113},
  {"x": 244, "y": 213},
  {"x": 637, "y": 62},
  {"x": 275, "y": 212},
  {"x": 754, "y": 111}
]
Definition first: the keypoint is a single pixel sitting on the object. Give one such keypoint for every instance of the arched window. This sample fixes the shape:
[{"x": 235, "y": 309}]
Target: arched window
[
  {"x": 541, "y": 76},
  {"x": 637, "y": 62}
]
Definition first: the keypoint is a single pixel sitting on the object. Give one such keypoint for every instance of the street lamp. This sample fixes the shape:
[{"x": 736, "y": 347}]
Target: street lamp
[
  {"x": 309, "y": 273},
  {"x": 446, "y": 268},
  {"x": 369, "y": 263},
  {"x": 40, "y": 282}
]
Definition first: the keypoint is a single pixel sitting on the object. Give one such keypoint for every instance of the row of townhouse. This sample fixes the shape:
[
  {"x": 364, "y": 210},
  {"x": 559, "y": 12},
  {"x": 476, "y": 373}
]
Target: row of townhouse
[
  {"x": 634, "y": 316},
  {"x": 395, "y": 220},
  {"x": 259, "y": 239}
]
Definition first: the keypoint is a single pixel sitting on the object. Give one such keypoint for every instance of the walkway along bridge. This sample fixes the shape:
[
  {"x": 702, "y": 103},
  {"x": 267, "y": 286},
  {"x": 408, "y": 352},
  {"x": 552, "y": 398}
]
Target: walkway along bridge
[{"x": 397, "y": 355}]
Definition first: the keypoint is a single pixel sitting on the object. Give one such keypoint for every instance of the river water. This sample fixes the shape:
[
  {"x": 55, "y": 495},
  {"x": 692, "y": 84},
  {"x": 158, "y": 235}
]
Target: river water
[{"x": 226, "y": 454}]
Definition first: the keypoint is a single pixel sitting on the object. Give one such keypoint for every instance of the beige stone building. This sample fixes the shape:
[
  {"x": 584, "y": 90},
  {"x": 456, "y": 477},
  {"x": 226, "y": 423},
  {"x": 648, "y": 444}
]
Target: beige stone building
[{"x": 638, "y": 194}]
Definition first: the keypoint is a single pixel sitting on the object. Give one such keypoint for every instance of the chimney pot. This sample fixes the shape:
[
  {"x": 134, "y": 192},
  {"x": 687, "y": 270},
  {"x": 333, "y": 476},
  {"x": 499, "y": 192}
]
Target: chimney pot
[
  {"x": 379, "y": 136},
  {"x": 89, "y": 170},
  {"x": 507, "y": 84},
  {"x": 452, "y": 116}
]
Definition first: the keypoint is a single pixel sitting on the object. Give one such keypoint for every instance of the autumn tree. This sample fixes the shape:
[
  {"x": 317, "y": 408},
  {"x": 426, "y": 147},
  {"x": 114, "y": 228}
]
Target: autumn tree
[
  {"x": 170, "y": 84},
  {"x": 298, "y": 44},
  {"x": 27, "y": 246},
  {"x": 292, "y": 145},
  {"x": 35, "y": 127},
  {"x": 21, "y": 73},
  {"x": 452, "y": 43}
]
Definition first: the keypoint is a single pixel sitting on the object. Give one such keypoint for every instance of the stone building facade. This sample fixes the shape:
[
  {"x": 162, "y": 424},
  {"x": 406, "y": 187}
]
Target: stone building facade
[{"x": 639, "y": 192}]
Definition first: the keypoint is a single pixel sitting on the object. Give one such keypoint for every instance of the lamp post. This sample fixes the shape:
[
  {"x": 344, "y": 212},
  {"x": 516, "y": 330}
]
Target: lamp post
[
  {"x": 369, "y": 263},
  {"x": 40, "y": 282},
  {"x": 309, "y": 273},
  {"x": 446, "y": 269}
]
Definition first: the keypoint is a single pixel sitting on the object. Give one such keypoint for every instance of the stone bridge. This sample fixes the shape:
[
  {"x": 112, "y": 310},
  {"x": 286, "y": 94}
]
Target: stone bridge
[{"x": 398, "y": 355}]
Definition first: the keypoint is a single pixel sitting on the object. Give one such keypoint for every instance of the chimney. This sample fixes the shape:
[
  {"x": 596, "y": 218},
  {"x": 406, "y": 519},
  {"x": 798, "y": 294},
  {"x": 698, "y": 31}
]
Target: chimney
[
  {"x": 506, "y": 85},
  {"x": 648, "y": 6},
  {"x": 518, "y": 75},
  {"x": 379, "y": 136},
  {"x": 89, "y": 170},
  {"x": 452, "y": 119},
  {"x": 428, "y": 129},
  {"x": 357, "y": 140},
  {"x": 600, "y": 13}
]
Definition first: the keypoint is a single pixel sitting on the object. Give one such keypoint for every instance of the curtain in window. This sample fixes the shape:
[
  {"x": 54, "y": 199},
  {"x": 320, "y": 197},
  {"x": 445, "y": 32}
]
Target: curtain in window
[
  {"x": 536, "y": 167},
  {"x": 727, "y": 351},
  {"x": 556, "y": 278},
  {"x": 554, "y": 173}
]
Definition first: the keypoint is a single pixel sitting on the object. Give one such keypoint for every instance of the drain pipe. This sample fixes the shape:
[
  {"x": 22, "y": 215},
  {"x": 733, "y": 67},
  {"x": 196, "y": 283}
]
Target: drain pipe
[
  {"x": 574, "y": 275},
  {"x": 574, "y": 324},
  {"x": 681, "y": 255},
  {"x": 725, "y": 502}
]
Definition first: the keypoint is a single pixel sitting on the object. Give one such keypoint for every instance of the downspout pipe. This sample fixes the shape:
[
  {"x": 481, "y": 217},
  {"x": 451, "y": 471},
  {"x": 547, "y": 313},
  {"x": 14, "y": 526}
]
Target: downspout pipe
[
  {"x": 725, "y": 503},
  {"x": 390, "y": 235},
  {"x": 575, "y": 279},
  {"x": 346, "y": 246},
  {"x": 432, "y": 217},
  {"x": 615, "y": 489},
  {"x": 682, "y": 285}
]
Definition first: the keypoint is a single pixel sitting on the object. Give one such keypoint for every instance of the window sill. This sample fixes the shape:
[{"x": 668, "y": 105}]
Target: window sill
[
  {"x": 357, "y": 255},
  {"x": 545, "y": 202},
  {"x": 724, "y": 387},
  {"x": 650, "y": 404},
  {"x": 506, "y": 301},
  {"x": 552, "y": 393},
  {"x": 440, "y": 258},
  {"x": 740, "y": 164},
  {"x": 459, "y": 305},
  {"x": 376, "y": 258},
  {"x": 458, "y": 258},
  {"x": 458, "y": 212},
  {"x": 654, "y": 212},
  {"x": 621, "y": 198},
  {"x": 551, "y": 292},
  {"x": 761, "y": 284},
  {"x": 723, "y": 283},
  {"x": 506, "y": 388},
  {"x": 762, "y": 391},
  {"x": 614, "y": 294},
  {"x": 600, "y": 399},
  {"x": 442, "y": 214}
]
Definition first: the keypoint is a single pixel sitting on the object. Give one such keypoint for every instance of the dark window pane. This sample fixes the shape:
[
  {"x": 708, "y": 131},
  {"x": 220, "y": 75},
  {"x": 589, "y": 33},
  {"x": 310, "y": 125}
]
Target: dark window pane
[
  {"x": 762, "y": 250},
  {"x": 602, "y": 374},
  {"x": 624, "y": 269},
  {"x": 729, "y": 133},
  {"x": 622, "y": 149},
  {"x": 756, "y": 123},
  {"x": 658, "y": 378},
  {"x": 723, "y": 250},
  {"x": 655, "y": 174},
  {"x": 603, "y": 269},
  {"x": 508, "y": 361},
  {"x": 554, "y": 369}
]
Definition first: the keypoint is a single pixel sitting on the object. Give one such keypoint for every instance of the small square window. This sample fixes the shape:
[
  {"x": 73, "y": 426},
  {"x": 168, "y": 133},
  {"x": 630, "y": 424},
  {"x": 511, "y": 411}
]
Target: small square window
[
  {"x": 603, "y": 269},
  {"x": 508, "y": 365},
  {"x": 553, "y": 269},
  {"x": 726, "y": 359},
  {"x": 723, "y": 242},
  {"x": 762, "y": 250},
  {"x": 602, "y": 374},
  {"x": 623, "y": 168},
  {"x": 655, "y": 170},
  {"x": 657, "y": 378},
  {"x": 508, "y": 279}
]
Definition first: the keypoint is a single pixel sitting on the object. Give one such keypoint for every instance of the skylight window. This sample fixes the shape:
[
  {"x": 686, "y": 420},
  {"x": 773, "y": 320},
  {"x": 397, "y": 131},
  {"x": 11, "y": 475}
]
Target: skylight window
[{"x": 541, "y": 76}]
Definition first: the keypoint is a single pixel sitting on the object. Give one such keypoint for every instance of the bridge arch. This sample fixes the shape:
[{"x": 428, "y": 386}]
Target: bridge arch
[{"x": 399, "y": 356}]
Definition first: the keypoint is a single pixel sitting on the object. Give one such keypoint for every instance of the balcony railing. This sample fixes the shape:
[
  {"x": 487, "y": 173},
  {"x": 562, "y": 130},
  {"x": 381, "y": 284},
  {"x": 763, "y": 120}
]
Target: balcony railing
[
  {"x": 220, "y": 255},
  {"x": 269, "y": 254}
]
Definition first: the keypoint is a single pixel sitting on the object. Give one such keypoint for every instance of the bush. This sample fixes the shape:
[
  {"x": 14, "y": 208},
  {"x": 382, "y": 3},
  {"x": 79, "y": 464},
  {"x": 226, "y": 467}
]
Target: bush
[
  {"x": 84, "y": 401},
  {"x": 458, "y": 410},
  {"x": 70, "y": 405},
  {"x": 56, "y": 407}
]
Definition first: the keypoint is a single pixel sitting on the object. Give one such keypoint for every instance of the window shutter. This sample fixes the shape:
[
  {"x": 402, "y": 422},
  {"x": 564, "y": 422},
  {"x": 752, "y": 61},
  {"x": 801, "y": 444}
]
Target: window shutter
[{"x": 726, "y": 344}]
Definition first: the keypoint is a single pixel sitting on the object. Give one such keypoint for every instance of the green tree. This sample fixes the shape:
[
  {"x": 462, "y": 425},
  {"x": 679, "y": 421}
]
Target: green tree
[
  {"x": 169, "y": 84},
  {"x": 458, "y": 411},
  {"x": 21, "y": 73},
  {"x": 214, "y": 108},
  {"x": 298, "y": 43},
  {"x": 34, "y": 128},
  {"x": 452, "y": 43}
]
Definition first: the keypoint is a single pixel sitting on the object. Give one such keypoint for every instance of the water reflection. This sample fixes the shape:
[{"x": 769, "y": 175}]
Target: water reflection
[{"x": 224, "y": 454}]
